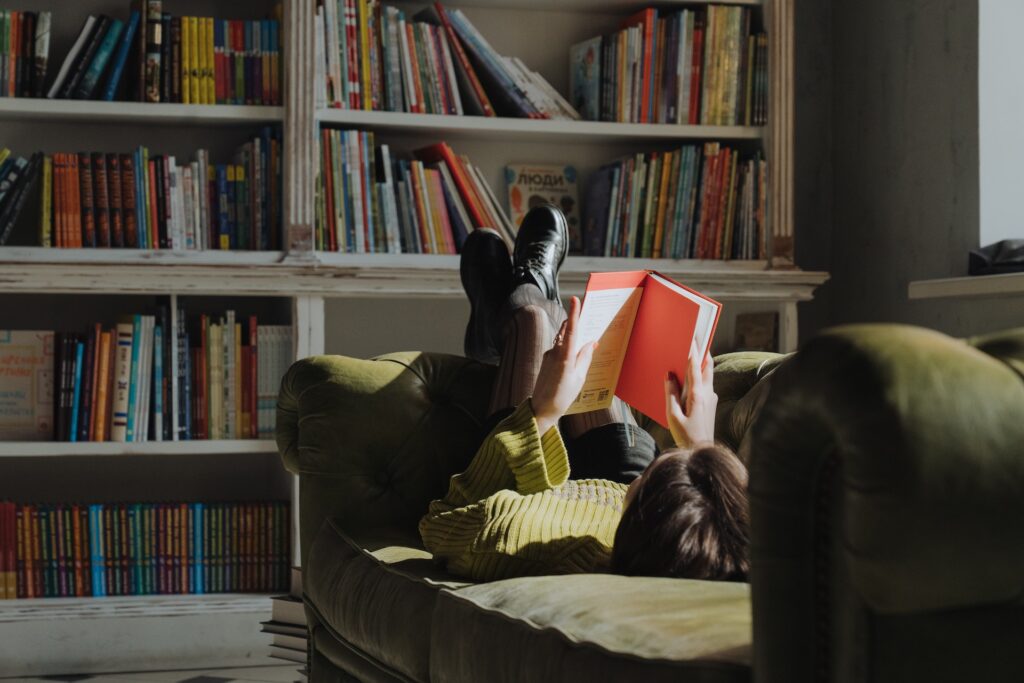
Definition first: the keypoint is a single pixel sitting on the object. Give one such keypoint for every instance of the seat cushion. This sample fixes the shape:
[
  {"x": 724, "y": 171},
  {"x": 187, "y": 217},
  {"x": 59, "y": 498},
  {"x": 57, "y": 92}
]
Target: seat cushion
[
  {"x": 377, "y": 596},
  {"x": 593, "y": 627}
]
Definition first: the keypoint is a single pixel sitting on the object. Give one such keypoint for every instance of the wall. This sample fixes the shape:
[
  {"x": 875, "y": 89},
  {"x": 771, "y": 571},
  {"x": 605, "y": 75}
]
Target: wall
[
  {"x": 1001, "y": 110},
  {"x": 905, "y": 168}
]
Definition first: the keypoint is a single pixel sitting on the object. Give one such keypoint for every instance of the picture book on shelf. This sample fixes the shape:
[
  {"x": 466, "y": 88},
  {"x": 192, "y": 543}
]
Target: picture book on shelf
[
  {"x": 531, "y": 185},
  {"x": 26, "y": 385},
  {"x": 644, "y": 323}
]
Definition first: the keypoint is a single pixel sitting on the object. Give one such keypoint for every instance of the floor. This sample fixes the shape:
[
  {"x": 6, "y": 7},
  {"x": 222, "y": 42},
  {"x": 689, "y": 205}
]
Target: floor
[{"x": 257, "y": 674}]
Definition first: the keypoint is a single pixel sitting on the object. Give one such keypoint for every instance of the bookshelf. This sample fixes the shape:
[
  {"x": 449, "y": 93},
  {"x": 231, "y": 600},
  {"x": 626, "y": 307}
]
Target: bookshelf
[{"x": 309, "y": 289}]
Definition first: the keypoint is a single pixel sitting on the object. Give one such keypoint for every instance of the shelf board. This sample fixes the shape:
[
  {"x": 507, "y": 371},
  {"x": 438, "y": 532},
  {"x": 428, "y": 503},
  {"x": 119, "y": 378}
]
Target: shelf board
[
  {"x": 117, "y": 271},
  {"x": 611, "y": 6},
  {"x": 1011, "y": 284},
  {"x": 35, "y": 609},
  {"x": 37, "y": 449},
  {"x": 530, "y": 130},
  {"x": 92, "y": 111}
]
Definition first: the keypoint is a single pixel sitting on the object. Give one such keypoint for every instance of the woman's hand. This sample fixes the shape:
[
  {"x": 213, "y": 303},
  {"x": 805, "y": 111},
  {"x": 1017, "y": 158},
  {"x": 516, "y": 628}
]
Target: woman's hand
[
  {"x": 691, "y": 413},
  {"x": 562, "y": 373}
]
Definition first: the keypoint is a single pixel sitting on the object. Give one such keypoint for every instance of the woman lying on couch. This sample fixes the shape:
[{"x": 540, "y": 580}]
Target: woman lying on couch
[{"x": 548, "y": 493}]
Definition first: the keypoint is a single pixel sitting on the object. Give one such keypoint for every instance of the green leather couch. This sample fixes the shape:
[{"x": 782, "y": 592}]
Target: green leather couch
[{"x": 887, "y": 498}]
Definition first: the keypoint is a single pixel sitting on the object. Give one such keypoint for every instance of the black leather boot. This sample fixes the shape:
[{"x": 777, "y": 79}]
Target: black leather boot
[
  {"x": 486, "y": 272},
  {"x": 541, "y": 246}
]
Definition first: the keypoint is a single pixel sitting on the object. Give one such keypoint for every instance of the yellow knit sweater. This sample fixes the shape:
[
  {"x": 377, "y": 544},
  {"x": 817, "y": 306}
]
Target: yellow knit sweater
[{"x": 514, "y": 511}]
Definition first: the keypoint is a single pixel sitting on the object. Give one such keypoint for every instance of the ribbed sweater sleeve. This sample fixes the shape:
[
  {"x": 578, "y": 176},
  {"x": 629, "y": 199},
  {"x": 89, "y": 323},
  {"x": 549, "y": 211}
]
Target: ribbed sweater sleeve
[{"x": 513, "y": 456}]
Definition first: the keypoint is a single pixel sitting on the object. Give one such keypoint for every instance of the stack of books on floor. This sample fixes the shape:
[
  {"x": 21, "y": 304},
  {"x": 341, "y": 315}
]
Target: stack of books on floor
[
  {"x": 370, "y": 202},
  {"x": 150, "y": 378},
  {"x": 83, "y": 550},
  {"x": 697, "y": 66},
  {"x": 146, "y": 201},
  {"x": 701, "y": 201},
  {"x": 151, "y": 56},
  {"x": 24, "y": 52},
  {"x": 371, "y": 57},
  {"x": 288, "y": 625}
]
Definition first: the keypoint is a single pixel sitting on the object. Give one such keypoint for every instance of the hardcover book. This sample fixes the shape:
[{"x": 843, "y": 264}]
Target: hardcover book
[
  {"x": 585, "y": 78},
  {"x": 26, "y": 385},
  {"x": 644, "y": 323},
  {"x": 531, "y": 185}
]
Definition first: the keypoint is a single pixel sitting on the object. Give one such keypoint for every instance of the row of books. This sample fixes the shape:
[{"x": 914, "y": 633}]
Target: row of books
[
  {"x": 698, "y": 66},
  {"x": 369, "y": 201},
  {"x": 147, "y": 379},
  {"x": 139, "y": 200},
  {"x": 149, "y": 56},
  {"x": 701, "y": 201},
  {"x": 24, "y": 50},
  {"x": 95, "y": 550},
  {"x": 17, "y": 179},
  {"x": 370, "y": 56}
]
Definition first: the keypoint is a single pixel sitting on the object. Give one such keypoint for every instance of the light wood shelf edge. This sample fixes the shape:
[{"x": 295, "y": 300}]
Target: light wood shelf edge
[
  {"x": 36, "y": 449},
  {"x": 41, "y": 109},
  {"x": 1011, "y": 284},
  {"x": 502, "y": 129}
]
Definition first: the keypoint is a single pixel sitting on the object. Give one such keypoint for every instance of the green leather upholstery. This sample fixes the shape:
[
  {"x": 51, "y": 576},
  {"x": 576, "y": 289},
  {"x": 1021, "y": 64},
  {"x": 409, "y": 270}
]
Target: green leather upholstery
[
  {"x": 887, "y": 501},
  {"x": 887, "y": 495}
]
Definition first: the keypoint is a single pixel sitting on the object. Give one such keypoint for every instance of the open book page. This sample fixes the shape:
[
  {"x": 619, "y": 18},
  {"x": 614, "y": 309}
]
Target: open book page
[
  {"x": 670, "y": 316},
  {"x": 609, "y": 309}
]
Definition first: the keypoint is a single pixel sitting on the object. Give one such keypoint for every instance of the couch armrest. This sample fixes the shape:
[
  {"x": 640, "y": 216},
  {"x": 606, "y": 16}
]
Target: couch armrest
[
  {"x": 373, "y": 441},
  {"x": 887, "y": 462}
]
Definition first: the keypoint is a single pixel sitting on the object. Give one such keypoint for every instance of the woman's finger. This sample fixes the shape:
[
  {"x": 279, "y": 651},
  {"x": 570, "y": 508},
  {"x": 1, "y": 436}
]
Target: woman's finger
[
  {"x": 709, "y": 370},
  {"x": 693, "y": 376},
  {"x": 572, "y": 321},
  {"x": 560, "y": 335}
]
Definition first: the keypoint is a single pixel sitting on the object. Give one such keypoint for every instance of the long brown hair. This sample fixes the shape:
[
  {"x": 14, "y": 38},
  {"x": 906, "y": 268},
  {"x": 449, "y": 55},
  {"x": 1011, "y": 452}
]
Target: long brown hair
[{"x": 688, "y": 519}]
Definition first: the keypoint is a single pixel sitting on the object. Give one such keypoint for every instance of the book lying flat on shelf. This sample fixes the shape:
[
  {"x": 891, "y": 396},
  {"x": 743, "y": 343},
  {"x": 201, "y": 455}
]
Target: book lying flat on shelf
[{"x": 644, "y": 324}]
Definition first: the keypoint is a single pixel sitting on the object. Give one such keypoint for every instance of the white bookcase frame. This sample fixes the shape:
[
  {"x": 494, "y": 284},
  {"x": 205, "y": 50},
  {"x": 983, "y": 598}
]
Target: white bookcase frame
[{"x": 130, "y": 633}]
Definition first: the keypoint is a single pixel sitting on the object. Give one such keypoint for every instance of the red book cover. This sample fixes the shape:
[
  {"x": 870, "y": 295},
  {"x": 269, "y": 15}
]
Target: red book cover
[
  {"x": 59, "y": 231},
  {"x": 696, "y": 63},
  {"x": 128, "y": 199},
  {"x": 36, "y": 564},
  {"x": 86, "y": 203},
  {"x": 84, "y": 549},
  {"x": 114, "y": 201},
  {"x": 24, "y": 589},
  {"x": 76, "y": 541},
  {"x": 352, "y": 60},
  {"x": 646, "y": 19},
  {"x": 125, "y": 547},
  {"x": 460, "y": 54},
  {"x": 101, "y": 199},
  {"x": 152, "y": 222},
  {"x": 645, "y": 323},
  {"x": 184, "y": 532},
  {"x": 441, "y": 152},
  {"x": 158, "y": 548}
]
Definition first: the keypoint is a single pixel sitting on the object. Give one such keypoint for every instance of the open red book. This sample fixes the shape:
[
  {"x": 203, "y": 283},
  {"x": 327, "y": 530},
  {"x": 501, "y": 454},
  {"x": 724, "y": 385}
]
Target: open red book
[{"x": 644, "y": 323}]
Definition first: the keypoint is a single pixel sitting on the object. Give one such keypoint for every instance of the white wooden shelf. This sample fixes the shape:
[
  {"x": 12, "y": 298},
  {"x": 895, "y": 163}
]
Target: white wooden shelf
[
  {"x": 1011, "y": 284},
  {"x": 501, "y": 129},
  {"x": 92, "y": 111},
  {"x": 44, "y": 636},
  {"x": 615, "y": 6},
  {"x": 36, "y": 449},
  {"x": 35, "y": 609},
  {"x": 130, "y": 271}
]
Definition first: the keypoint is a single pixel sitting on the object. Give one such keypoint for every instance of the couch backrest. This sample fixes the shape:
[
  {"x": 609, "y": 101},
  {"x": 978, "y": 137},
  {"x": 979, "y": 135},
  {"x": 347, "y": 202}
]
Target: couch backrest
[{"x": 374, "y": 441}]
